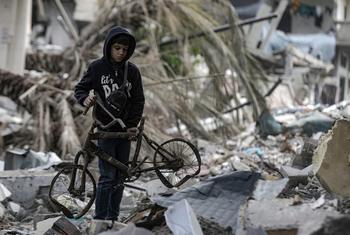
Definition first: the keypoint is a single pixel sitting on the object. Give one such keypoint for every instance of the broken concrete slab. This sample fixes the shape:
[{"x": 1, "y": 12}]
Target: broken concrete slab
[
  {"x": 337, "y": 225},
  {"x": 58, "y": 225},
  {"x": 20, "y": 181},
  {"x": 4, "y": 193},
  {"x": 40, "y": 217},
  {"x": 280, "y": 214},
  {"x": 295, "y": 175},
  {"x": 331, "y": 160},
  {"x": 99, "y": 226},
  {"x": 28, "y": 159},
  {"x": 267, "y": 190},
  {"x": 14, "y": 208}
]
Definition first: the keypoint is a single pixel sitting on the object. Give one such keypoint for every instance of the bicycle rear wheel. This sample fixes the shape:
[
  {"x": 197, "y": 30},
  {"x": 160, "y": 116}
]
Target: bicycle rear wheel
[
  {"x": 176, "y": 161},
  {"x": 70, "y": 194}
]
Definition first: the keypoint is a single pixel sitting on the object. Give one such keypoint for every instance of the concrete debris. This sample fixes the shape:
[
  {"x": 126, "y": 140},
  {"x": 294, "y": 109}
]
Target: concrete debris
[
  {"x": 332, "y": 225},
  {"x": 14, "y": 208},
  {"x": 20, "y": 181},
  {"x": 331, "y": 159},
  {"x": 280, "y": 175},
  {"x": 4, "y": 193},
  {"x": 29, "y": 159},
  {"x": 268, "y": 190},
  {"x": 295, "y": 175},
  {"x": 264, "y": 213},
  {"x": 58, "y": 225}
]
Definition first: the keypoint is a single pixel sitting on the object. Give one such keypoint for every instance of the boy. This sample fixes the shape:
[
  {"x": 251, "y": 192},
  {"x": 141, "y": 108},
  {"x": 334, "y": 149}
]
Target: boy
[{"x": 105, "y": 76}]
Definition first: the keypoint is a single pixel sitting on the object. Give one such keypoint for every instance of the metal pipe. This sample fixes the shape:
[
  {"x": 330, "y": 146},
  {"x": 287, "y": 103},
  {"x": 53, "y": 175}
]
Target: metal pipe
[{"x": 221, "y": 28}]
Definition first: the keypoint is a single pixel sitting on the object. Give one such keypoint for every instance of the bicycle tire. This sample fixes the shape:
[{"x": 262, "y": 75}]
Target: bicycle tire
[
  {"x": 64, "y": 200},
  {"x": 173, "y": 158}
]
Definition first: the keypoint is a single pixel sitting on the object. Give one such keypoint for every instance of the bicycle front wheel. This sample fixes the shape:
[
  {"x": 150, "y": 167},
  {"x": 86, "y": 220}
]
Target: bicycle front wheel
[
  {"x": 72, "y": 191},
  {"x": 176, "y": 161}
]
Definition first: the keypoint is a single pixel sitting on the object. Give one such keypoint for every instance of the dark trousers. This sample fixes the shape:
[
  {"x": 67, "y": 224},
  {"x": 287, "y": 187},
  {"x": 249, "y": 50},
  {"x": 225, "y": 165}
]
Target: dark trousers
[{"x": 109, "y": 193}]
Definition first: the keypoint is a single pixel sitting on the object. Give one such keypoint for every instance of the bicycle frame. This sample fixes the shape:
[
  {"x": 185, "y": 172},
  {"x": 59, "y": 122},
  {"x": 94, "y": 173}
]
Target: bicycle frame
[{"x": 91, "y": 149}]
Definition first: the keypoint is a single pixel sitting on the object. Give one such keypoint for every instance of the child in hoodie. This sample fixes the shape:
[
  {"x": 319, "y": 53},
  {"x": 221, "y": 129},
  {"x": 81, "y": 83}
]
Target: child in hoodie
[{"x": 104, "y": 76}]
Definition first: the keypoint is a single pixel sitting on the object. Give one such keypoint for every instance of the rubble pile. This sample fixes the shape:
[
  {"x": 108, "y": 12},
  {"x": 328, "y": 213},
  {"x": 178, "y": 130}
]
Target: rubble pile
[{"x": 270, "y": 164}]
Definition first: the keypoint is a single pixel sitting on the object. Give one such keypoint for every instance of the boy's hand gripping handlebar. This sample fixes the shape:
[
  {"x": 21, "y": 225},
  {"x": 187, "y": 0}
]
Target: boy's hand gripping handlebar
[{"x": 99, "y": 123}]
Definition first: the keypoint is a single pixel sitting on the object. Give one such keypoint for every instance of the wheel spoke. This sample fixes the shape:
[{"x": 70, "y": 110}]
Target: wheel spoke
[{"x": 179, "y": 149}]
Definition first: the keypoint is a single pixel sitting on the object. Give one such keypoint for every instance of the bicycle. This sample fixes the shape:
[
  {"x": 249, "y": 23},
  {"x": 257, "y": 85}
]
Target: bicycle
[{"x": 175, "y": 161}]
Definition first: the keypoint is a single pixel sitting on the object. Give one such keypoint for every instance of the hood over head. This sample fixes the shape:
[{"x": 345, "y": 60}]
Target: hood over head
[{"x": 112, "y": 34}]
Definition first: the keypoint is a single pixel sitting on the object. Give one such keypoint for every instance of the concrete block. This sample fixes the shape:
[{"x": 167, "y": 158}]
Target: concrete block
[
  {"x": 20, "y": 181},
  {"x": 331, "y": 160},
  {"x": 279, "y": 214},
  {"x": 294, "y": 175}
]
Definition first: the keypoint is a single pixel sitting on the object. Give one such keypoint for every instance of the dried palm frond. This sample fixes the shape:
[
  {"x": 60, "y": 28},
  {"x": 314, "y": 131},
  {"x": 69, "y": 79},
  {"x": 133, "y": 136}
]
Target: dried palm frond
[
  {"x": 69, "y": 141},
  {"x": 189, "y": 102}
]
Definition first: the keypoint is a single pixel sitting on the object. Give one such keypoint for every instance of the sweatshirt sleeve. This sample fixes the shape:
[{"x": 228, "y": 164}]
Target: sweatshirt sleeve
[
  {"x": 84, "y": 86},
  {"x": 137, "y": 101}
]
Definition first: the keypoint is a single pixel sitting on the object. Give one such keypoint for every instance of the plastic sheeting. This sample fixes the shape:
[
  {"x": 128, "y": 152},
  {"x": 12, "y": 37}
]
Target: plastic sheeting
[{"x": 217, "y": 199}]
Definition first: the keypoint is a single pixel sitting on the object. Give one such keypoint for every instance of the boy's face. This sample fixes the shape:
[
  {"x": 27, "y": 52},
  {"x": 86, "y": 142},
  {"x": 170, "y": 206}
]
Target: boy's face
[{"x": 118, "y": 52}]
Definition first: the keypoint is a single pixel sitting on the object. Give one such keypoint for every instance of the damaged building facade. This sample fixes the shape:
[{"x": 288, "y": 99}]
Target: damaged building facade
[{"x": 306, "y": 45}]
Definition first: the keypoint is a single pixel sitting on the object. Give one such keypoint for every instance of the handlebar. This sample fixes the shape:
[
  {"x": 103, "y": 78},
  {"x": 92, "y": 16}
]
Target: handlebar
[{"x": 114, "y": 119}]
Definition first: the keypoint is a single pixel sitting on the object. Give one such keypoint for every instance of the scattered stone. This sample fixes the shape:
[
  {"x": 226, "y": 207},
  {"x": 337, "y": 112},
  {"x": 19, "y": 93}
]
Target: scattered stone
[{"x": 239, "y": 165}]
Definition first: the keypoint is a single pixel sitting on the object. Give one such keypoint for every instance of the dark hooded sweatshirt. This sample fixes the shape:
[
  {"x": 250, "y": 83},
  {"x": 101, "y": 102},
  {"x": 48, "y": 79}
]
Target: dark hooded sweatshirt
[{"x": 104, "y": 76}]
